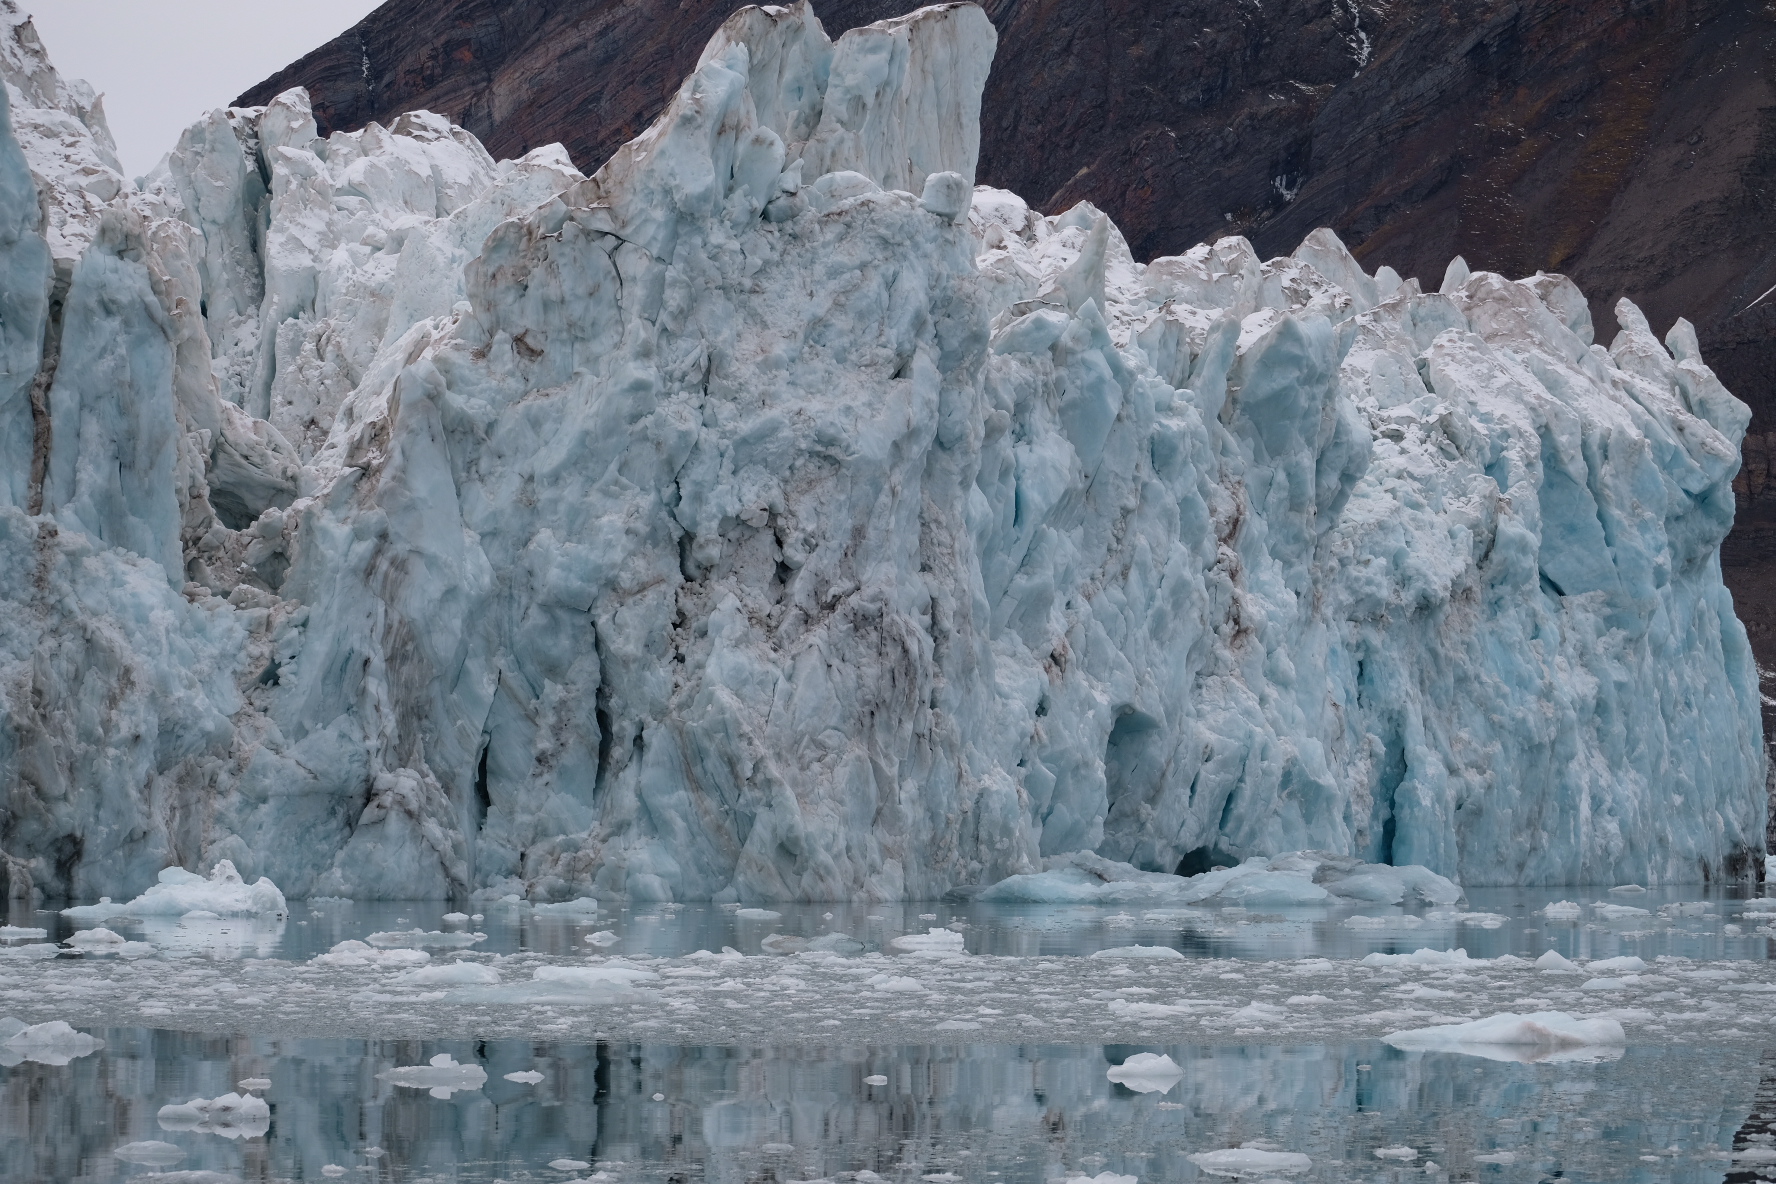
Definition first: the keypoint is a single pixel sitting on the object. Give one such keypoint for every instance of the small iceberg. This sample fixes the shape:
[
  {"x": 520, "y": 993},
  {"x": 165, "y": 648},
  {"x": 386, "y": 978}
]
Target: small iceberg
[
  {"x": 1537, "y": 1037},
  {"x": 222, "y": 893},
  {"x": 442, "y": 1076},
  {"x": 54, "y": 1043},
  {"x": 1250, "y": 1161},
  {"x": 1147, "y": 1073}
]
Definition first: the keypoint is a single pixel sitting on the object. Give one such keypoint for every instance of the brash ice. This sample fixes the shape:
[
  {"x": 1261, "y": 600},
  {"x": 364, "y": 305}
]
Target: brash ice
[{"x": 776, "y": 515}]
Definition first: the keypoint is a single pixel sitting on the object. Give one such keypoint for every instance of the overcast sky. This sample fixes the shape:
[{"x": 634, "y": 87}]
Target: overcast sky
[{"x": 162, "y": 63}]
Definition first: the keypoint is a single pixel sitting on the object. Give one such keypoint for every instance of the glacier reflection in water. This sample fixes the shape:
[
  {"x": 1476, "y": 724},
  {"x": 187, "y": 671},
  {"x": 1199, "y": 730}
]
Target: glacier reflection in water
[{"x": 991, "y": 1114}]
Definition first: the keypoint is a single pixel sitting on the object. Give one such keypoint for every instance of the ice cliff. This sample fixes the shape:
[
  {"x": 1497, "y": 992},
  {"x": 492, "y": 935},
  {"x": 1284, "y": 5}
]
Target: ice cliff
[{"x": 776, "y": 515}]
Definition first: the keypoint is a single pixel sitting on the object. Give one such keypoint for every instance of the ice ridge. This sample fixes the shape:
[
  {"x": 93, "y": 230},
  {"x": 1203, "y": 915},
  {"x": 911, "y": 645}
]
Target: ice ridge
[{"x": 777, "y": 515}]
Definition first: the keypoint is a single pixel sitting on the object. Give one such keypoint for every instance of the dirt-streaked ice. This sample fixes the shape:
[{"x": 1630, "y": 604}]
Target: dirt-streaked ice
[{"x": 775, "y": 516}]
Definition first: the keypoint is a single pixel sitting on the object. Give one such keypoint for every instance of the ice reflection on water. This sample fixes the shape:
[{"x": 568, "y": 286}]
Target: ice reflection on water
[
  {"x": 992, "y": 1114},
  {"x": 1030, "y": 930}
]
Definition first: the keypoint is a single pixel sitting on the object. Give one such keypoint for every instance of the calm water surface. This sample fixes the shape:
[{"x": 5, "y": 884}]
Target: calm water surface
[{"x": 934, "y": 1114}]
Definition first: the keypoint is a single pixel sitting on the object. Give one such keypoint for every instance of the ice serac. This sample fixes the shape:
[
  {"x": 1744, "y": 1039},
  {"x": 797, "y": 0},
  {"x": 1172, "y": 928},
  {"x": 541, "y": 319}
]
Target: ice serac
[{"x": 772, "y": 515}]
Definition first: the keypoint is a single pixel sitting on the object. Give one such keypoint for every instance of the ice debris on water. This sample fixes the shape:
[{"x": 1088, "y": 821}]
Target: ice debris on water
[
  {"x": 569, "y": 1165},
  {"x": 1399, "y": 1153},
  {"x": 442, "y": 1076},
  {"x": 223, "y": 893},
  {"x": 1147, "y": 1072},
  {"x": 531, "y": 1077}
]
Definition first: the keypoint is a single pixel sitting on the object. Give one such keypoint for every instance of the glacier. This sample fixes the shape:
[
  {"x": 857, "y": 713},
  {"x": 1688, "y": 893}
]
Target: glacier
[{"x": 777, "y": 515}]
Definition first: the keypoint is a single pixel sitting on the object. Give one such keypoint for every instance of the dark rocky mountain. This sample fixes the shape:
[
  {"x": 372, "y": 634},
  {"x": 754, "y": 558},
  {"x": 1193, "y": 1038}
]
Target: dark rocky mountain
[{"x": 1628, "y": 143}]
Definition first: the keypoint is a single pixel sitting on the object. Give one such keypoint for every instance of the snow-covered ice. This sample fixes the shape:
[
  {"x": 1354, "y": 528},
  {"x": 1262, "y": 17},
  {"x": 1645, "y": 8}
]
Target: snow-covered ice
[{"x": 774, "y": 515}]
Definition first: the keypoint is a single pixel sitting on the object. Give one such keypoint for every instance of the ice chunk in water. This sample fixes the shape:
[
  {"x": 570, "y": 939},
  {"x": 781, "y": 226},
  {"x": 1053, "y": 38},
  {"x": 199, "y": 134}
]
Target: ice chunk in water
[
  {"x": 450, "y": 973},
  {"x": 442, "y": 1076},
  {"x": 1147, "y": 1073},
  {"x": 531, "y": 1077},
  {"x": 1538, "y": 1036},
  {"x": 179, "y": 892},
  {"x": 935, "y": 941},
  {"x": 1555, "y": 962},
  {"x": 53, "y": 1043},
  {"x": 233, "y": 1116},
  {"x": 1162, "y": 953},
  {"x": 149, "y": 1153},
  {"x": 357, "y": 953},
  {"x": 1626, "y": 964},
  {"x": 1250, "y": 1161}
]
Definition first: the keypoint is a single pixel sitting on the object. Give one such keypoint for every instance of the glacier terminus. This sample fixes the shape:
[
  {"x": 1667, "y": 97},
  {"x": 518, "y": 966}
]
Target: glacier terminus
[{"x": 776, "y": 515}]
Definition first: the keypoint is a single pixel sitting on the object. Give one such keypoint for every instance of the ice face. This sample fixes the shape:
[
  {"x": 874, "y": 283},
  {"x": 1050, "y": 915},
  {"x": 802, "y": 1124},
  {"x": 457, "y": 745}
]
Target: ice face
[{"x": 774, "y": 516}]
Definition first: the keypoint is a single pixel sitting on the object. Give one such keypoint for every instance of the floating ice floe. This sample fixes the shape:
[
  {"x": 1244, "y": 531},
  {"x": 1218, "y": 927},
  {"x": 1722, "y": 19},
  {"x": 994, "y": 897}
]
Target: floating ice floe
[
  {"x": 1398, "y": 1153},
  {"x": 604, "y": 937},
  {"x": 1162, "y": 953},
  {"x": 356, "y": 953},
  {"x": 1147, "y": 1073},
  {"x": 21, "y": 933},
  {"x": 233, "y": 1116},
  {"x": 1625, "y": 964},
  {"x": 1100, "y": 1178},
  {"x": 442, "y": 1076},
  {"x": 1425, "y": 957},
  {"x": 561, "y": 984},
  {"x": 52, "y": 1043},
  {"x": 149, "y": 1153},
  {"x": 179, "y": 892},
  {"x": 753, "y": 914},
  {"x": 1250, "y": 1161},
  {"x": 449, "y": 974},
  {"x": 583, "y": 906},
  {"x": 934, "y": 941},
  {"x": 1560, "y": 910},
  {"x": 415, "y": 939},
  {"x": 528, "y": 1077},
  {"x": 1538, "y": 1036}
]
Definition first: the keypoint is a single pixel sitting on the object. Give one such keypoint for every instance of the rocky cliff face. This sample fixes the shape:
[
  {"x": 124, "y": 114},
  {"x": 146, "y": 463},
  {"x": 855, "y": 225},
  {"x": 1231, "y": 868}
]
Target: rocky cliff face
[{"x": 1629, "y": 145}]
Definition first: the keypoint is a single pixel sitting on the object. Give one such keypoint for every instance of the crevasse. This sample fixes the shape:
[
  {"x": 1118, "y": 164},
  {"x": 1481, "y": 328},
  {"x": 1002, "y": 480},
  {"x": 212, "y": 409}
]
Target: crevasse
[{"x": 776, "y": 515}]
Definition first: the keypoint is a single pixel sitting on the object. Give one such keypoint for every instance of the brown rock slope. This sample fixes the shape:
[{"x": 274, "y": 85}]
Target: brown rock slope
[{"x": 1628, "y": 143}]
